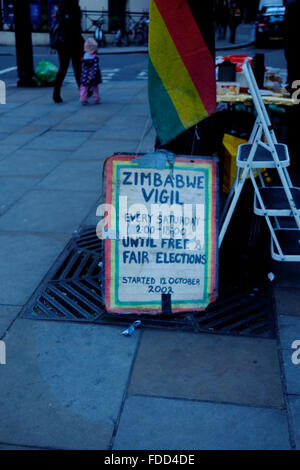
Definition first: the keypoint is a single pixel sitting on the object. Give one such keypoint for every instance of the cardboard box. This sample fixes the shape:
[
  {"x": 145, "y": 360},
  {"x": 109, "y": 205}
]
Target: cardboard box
[{"x": 228, "y": 88}]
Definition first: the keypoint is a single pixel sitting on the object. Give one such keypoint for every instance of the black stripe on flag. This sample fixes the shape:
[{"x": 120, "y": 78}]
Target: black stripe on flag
[{"x": 203, "y": 13}]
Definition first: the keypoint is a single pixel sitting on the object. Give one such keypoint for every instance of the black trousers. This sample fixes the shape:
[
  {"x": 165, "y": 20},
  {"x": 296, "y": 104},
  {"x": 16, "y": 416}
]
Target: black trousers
[
  {"x": 232, "y": 34},
  {"x": 64, "y": 61}
]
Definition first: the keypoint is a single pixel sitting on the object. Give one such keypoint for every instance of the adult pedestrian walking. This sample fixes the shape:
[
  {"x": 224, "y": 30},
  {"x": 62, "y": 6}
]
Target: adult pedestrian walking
[
  {"x": 71, "y": 48},
  {"x": 222, "y": 18},
  {"x": 235, "y": 20}
]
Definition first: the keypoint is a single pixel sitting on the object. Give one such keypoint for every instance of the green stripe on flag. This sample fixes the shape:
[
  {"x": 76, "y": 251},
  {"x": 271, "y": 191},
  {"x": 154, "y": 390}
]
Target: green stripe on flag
[{"x": 164, "y": 115}]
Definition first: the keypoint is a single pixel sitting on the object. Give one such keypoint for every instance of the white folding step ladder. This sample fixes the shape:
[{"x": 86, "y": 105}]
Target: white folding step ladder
[{"x": 263, "y": 151}]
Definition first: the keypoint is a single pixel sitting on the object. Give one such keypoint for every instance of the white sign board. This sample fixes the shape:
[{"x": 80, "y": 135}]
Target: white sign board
[{"x": 161, "y": 247}]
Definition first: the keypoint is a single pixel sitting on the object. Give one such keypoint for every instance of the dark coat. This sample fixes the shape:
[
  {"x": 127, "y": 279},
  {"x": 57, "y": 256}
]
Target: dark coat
[
  {"x": 90, "y": 72},
  {"x": 70, "y": 25},
  {"x": 292, "y": 39},
  {"x": 222, "y": 14}
]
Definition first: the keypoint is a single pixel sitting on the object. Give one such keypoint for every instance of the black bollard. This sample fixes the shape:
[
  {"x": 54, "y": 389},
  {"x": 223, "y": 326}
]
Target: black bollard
[{"x": 23, "y": 43}]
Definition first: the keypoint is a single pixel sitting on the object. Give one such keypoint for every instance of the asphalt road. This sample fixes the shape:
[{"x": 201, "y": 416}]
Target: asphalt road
[
  {"x": 124, "y": 67},
  {"x": 274, "y": 57}
]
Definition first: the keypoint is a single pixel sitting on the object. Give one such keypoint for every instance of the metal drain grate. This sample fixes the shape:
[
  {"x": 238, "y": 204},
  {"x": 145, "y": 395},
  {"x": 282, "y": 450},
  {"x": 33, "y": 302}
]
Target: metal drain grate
[
  {"x": 73, "y": 300},
  {"x": 72, "y": 289},
  {"x": 72, "y": 292},
  {"x": 87, "y": 240},
  {"x": 243, "y": 313}
]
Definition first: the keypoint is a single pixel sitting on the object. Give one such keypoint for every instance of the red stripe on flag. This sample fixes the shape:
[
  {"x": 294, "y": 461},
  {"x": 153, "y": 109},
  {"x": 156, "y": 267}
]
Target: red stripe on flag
[{"x": 191, "y": 47}]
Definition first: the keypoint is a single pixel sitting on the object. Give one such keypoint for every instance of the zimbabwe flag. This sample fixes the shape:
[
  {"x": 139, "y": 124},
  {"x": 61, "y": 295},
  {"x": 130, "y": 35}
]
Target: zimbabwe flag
[{"x": 181, "y": 71}]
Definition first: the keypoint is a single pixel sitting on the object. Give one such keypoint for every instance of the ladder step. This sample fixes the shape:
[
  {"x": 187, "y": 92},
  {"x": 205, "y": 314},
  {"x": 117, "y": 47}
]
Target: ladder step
[
  {"x": 263, "y": 158},
  {"x": 289, "y": 241},
  {"x": 276, "y": 202}
]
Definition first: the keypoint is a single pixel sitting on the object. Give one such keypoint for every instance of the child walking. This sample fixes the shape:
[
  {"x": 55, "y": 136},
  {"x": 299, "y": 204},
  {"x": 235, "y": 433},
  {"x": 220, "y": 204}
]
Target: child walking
[{"x": 90, "y": 73}]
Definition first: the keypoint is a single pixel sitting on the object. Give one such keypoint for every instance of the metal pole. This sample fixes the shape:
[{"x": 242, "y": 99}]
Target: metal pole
[
  {"x": 23, "y": 43},
  {"x": 1, "y": 19}
]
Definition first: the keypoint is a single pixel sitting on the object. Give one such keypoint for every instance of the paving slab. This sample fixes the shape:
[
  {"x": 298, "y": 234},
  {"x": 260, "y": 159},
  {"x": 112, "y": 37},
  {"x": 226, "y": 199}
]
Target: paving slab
[
  {"x": 287, "y": 300},
  {"x": 12, "y": 189},
  {"x": 155, "y": 423},
  {"x": 32, "y": 162},
  {"x": 99, "y": 150},
  {"x": 291, "y": 371},
  {"x": 23, "y": 96},
  {"x": 207, "y": 367},
  {"x": 89, "y": 117},
  {"x": 9, "y": 105},
  {"x": 141, "y": 97},
  {"x": 45, "y": 98},
  {"x": 54, "y": 117},
  {"x": 289, "y": 330},
  {"x": 74, "y": 125},
  {"x": 12, "y": 447},
  {"x": 3, "y": 135},
  {"x": 147, "y": 143},
  {"x": 92, "y": 218},
  {"x": 7, "y": 150},
  {"x": 113, "y": 133},
  {"x": 72, "y": 175},
  {"x": 138, "y": 109},
  {"x": 18, "y": 113},
  {"x": 18, "y": 140},
  {"x": 11, "y": 124},
  {"x": 25, "y": 259},
  {"x": 71, "y": 102},
  {"x": 8, "y": 314},
  {"x": 32, "y": 110},
  {"x": 134, "y": 127},
  {"x": 59, "y": 140},
  {"x": 294, "y": 403},
  {"x": 63, "y": 384},
  {"x": 123, "y": 93},
  {"x": 286, "y": 274},
  {"x": 34, "y": 128},
  {"x": 132, "y": 121},
  {"x": 49, "y": 211}
]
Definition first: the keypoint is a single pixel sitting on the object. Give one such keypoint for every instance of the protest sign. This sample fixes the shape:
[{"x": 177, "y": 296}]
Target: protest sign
[{"x": 160, "y": 232}]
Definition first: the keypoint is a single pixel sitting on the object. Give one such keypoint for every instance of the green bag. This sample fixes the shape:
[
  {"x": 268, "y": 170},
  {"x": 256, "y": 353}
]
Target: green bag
[{"x": 45, "y": 73}]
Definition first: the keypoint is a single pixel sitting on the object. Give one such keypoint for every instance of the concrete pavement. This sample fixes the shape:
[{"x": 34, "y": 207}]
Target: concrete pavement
[
  {"x": 245, "y": 35},
  {"x": 86, "y": 386}
]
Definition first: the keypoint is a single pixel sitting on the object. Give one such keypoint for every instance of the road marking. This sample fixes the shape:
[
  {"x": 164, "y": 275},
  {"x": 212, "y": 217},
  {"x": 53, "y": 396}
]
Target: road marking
[
  {"x": 7, "y": 70},
  {"x": 111, "y": 70},
  {"x": 143, "y": 75}
]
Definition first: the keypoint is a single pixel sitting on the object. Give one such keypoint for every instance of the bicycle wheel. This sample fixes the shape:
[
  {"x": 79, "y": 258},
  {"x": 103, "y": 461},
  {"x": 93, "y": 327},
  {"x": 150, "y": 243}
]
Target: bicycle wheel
[{"x": 139, "y": 39}]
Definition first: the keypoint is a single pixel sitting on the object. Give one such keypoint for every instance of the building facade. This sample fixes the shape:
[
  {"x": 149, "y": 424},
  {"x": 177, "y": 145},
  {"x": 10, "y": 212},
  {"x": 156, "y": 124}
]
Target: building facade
[
  {"x": 114, "y": 13},
  {"x": 106, "y": 5}
]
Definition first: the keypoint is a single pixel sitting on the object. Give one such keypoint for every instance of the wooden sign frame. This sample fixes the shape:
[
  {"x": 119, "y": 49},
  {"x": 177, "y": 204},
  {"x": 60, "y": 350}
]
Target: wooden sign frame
[{"x": 115, "y": 271}]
